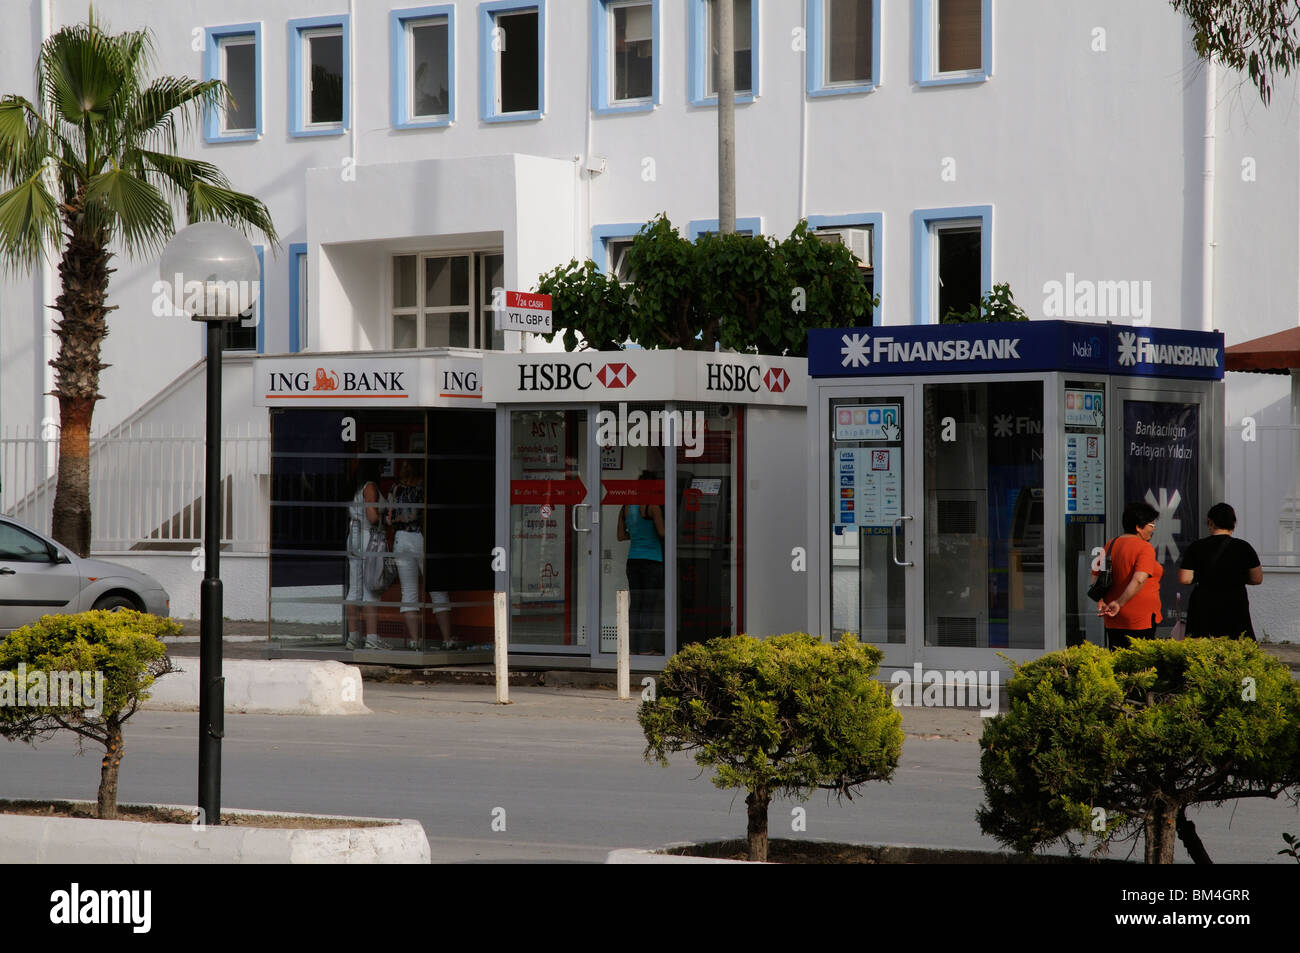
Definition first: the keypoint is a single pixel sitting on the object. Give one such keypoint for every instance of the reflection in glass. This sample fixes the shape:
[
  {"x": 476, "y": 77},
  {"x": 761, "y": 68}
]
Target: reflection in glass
[{"x": 708, "y": 517}]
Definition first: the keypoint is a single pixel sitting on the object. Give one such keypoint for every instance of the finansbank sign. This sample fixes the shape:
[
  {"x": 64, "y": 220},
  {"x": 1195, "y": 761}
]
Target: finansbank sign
[{"x": 910, "y": 350}]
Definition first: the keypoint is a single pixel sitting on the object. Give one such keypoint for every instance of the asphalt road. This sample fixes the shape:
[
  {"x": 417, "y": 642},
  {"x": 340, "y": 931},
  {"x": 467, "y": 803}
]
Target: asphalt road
[{"x": 566, "y": 767}]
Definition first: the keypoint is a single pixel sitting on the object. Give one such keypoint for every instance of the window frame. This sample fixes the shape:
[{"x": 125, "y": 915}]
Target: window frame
[
  {"x": 925, "y": 53},
  {"x": 259, "y": 313},
  {"x": 876, "y": 222},
  {"x": 817, "y": 59},
  {"x": 603, "y": 235},
  {"x": 698, "y": 226},
  {"x": 489, "y": 60},
  {"x": 925, "y": 225},
  {"x": 400, "y": 23},
  {"x": 698, "y": 58},
  {"x": 214, "y": 42},
  {"x": 298, "y": 333},
  {"x": 476, "y": 309},
  {"x": 300, "y": 31},
  {"x": 602, "y": 72}
]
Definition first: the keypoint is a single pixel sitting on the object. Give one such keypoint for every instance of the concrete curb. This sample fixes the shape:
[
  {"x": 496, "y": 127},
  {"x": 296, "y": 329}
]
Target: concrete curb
[
  {"x": 267, "y": 688},
  {"x": 629, "y": 855},
  {"x": 73, "y": 840}
]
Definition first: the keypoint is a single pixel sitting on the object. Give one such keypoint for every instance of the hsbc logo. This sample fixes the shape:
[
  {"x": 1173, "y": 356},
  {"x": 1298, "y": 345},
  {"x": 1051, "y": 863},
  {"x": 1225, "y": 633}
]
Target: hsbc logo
[
  {"x": 732, "y": 378},
  {"x": 616, "y": 375}
]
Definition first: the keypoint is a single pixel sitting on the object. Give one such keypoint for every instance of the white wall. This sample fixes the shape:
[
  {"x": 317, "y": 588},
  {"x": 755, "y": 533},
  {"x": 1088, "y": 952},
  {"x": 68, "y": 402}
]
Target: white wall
[{"x": 243, "y": 581}]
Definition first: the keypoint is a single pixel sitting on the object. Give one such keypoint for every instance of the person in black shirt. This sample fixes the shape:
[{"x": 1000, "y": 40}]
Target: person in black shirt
[{"x": 1221, "y": 567}]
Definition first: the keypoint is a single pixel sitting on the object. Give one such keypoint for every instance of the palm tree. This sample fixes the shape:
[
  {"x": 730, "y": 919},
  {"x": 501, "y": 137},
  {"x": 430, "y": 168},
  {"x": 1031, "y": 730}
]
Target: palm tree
[{"x": 93, "y": 165}]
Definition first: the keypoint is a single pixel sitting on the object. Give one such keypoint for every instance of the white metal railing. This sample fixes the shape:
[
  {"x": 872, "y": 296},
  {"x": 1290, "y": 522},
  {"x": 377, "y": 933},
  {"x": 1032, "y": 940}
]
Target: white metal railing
[
  {"x": 146, "y": 487},
  {"x": 1262, "y": 483}
]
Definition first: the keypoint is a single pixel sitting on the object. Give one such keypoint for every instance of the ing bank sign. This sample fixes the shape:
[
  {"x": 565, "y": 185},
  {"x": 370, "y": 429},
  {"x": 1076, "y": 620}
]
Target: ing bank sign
[
  {"x": 323, "y": 380},
  {"x": 645, "y": 376}
]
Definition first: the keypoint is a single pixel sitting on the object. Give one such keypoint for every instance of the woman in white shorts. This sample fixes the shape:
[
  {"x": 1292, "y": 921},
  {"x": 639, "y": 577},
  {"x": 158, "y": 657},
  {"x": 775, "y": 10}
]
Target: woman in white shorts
[
  {"x": 406, "y": 515},
  {"x": 364, "y": 515}
]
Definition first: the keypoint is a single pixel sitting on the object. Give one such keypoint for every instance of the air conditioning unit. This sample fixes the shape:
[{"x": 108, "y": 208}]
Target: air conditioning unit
[{"x": 857, "y": 240}]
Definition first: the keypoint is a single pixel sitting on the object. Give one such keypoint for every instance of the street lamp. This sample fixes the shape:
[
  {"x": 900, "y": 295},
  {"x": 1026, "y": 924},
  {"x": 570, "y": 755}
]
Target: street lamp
[{"x": 211, "y": 273}]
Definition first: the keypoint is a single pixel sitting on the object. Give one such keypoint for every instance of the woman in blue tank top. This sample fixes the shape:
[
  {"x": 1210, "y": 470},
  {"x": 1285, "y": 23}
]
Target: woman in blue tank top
[{"x": 643, "y": 526}]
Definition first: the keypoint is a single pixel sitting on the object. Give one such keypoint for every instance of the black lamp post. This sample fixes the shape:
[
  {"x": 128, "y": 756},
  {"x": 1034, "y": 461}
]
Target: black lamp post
[{"x": 212, "y": 274}]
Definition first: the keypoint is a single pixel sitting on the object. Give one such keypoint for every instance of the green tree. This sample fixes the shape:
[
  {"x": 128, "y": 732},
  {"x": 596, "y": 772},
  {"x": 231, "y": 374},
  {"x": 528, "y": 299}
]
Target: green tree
[
  {"x": 782, "y": 716},
  {"x": 122, "y": 646},
  {"x": 92, "y": 164},
  {"x": 744, "y": 293},
  {"x": 1261, "y": 37},
  {"x": 1119, "y": 744}
]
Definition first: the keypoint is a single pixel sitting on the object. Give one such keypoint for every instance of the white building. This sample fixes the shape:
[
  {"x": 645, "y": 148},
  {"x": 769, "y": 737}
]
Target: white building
[{"x": 1044, "y": 144}]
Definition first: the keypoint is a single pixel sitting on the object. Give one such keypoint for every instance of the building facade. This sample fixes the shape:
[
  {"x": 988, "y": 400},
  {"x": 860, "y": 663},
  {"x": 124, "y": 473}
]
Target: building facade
[{"x": 417, "y": 158}]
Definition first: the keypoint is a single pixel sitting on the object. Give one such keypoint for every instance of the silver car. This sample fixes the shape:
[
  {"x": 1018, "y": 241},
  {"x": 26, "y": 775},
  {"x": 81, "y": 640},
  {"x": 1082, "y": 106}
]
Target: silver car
[{"x": 39, "y": 576}]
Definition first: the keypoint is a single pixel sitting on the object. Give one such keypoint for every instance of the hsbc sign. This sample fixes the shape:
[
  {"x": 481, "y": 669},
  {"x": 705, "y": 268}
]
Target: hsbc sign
[{"x": 643, "y": 375}]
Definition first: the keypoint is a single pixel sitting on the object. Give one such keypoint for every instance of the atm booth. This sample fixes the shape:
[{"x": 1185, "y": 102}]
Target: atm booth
[
  {"x": 591, "y": 441},
  {"x": 964, "y": 475}
]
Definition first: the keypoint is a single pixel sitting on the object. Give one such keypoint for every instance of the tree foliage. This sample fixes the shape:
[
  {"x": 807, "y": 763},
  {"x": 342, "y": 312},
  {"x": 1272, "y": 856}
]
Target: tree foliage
[
  {"x": 744, "y": 293},
  {"x": 124, "y": 646},
  {"x": 1259, "y": 37},
  {"x": 783, "y": 716},
  {"x": 1119, "y": 744},
  {"x": 993, "y": 306}
]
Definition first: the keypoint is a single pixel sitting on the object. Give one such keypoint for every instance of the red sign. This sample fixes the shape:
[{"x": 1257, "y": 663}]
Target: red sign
[
  {"x": 776, "y": 380},
  {"x": 528, "y": 300},
  {"x": 632, "y": 492},
  {"x": 554, "y": 492}
]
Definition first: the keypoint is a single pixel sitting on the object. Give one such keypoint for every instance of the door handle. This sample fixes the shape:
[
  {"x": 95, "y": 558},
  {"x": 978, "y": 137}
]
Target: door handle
[
  {"x": 573, "y": 518},
  {"x": 893, "y": 548},
  {"x": 6, "y": 571}
]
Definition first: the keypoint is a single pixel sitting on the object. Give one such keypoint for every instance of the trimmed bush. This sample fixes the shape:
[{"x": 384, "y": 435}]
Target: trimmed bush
[
  {"x": 783, "y": 716},
  {"x": 118, "y": 653},
  {"x": 1117, "y": 744}
]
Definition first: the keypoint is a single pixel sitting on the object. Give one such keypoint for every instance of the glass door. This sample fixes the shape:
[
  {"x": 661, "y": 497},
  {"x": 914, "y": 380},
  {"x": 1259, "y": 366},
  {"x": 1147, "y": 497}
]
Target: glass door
[
  {"x": 874, "y": 533},
  {"x": 551, "y": 521}
]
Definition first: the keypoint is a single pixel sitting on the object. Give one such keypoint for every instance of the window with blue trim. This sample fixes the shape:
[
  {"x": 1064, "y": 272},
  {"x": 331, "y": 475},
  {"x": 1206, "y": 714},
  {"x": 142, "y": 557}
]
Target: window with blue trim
[
  {"x": 843, "y": 47},
  {"x": 423, "y": 58},
  {"x": 513, "y": 42},
  {"x": 709, "y": 226},
  {"x": 319, "y": 76},
  {"x": 233, "y": 54},
  {"x": 953, "y": 260},
  {"x": 625, "y": 60},
  {"x": 298, "y": 338},
  {"x": 860, "y": 233},
  {"x": 704, "y": 73},
  {"x": 954, "y": 41}
]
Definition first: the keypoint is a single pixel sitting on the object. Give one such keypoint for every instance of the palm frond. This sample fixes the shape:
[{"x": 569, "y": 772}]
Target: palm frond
[
  {"x": 80, "y": 67},
  {"x": 23, "y": 148},
  {"x": 153, "y": 116},
  {"x": 176, "y": 175},
  {"x": 29, "y": 224},
  {"x": 138, "y": 210},
  {"x": 211, "y": 202}
]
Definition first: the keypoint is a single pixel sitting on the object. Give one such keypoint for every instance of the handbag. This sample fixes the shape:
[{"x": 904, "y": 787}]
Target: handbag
[
  {"x": 379, "y": 568},
  {"x": 1105, "y": 577}
]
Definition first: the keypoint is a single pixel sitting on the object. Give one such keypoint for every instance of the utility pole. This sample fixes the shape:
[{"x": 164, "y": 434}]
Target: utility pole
[{"x": 725, "y": 42}]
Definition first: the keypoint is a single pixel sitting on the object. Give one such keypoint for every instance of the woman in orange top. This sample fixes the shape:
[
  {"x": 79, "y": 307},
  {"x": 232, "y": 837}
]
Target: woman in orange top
[{"x": 1131, "y": 607}]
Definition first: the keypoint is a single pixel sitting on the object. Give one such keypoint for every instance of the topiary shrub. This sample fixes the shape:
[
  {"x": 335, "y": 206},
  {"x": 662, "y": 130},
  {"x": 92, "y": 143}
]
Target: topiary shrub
[
  {"x": 111, "y": 658},
  {"x": 782, "y": 716},
  {"x": 1117, "y": 744}
]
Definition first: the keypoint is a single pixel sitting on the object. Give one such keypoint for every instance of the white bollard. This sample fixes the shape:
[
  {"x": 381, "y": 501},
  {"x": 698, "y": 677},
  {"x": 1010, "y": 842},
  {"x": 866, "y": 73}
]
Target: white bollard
[
  {"x": 500, "y": 660},
  {"x": 622, "y": 602}
]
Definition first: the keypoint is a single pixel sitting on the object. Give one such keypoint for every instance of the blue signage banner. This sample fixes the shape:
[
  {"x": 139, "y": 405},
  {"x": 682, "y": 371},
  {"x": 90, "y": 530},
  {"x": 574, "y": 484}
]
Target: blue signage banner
[{"x": 926, "y": 349}]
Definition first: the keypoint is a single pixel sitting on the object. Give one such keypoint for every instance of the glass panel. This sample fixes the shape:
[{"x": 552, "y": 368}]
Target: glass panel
[
  {"x": 446, "y": 281},
  {"x": 431, "y": 498},
  {"x": 404, "y": 281},
  {"x": 446, "y": 330},
  {"x": 984, "y": 515},
  {"x": 960, "y": 265},
  {"x": 960, "y": 38},
  {"x": 404, "y": 331},
  {"x": 239, "y": 335},
  {"x": 633, "y": 52},
  {"x": 848, "y": 41},
  {"x": 708, "y": 520},
  {"x": 868, "y": 589},
  {"x": 743, "y": 39},
  {"x": 517, "y": 62},
  {"x": 618, "y": 264},
  {"x": 632, "y": 525},
  {"x": 1085, "y": 505},
  {"x": 326, "y": 59},
  {"x": 548, "y": 559},
  {"x": 492, "y": 268},
  {"x": 241, "y": 77},
  {"x": 430, "y": 81}
]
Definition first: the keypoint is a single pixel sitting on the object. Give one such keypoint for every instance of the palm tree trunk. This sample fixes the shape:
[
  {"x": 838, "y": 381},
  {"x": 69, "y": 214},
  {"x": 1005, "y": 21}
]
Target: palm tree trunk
[{"x": 71, "y": 519}]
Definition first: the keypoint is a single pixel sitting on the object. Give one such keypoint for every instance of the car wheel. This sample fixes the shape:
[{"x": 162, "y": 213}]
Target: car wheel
[{"x": 114, "y": 602}]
